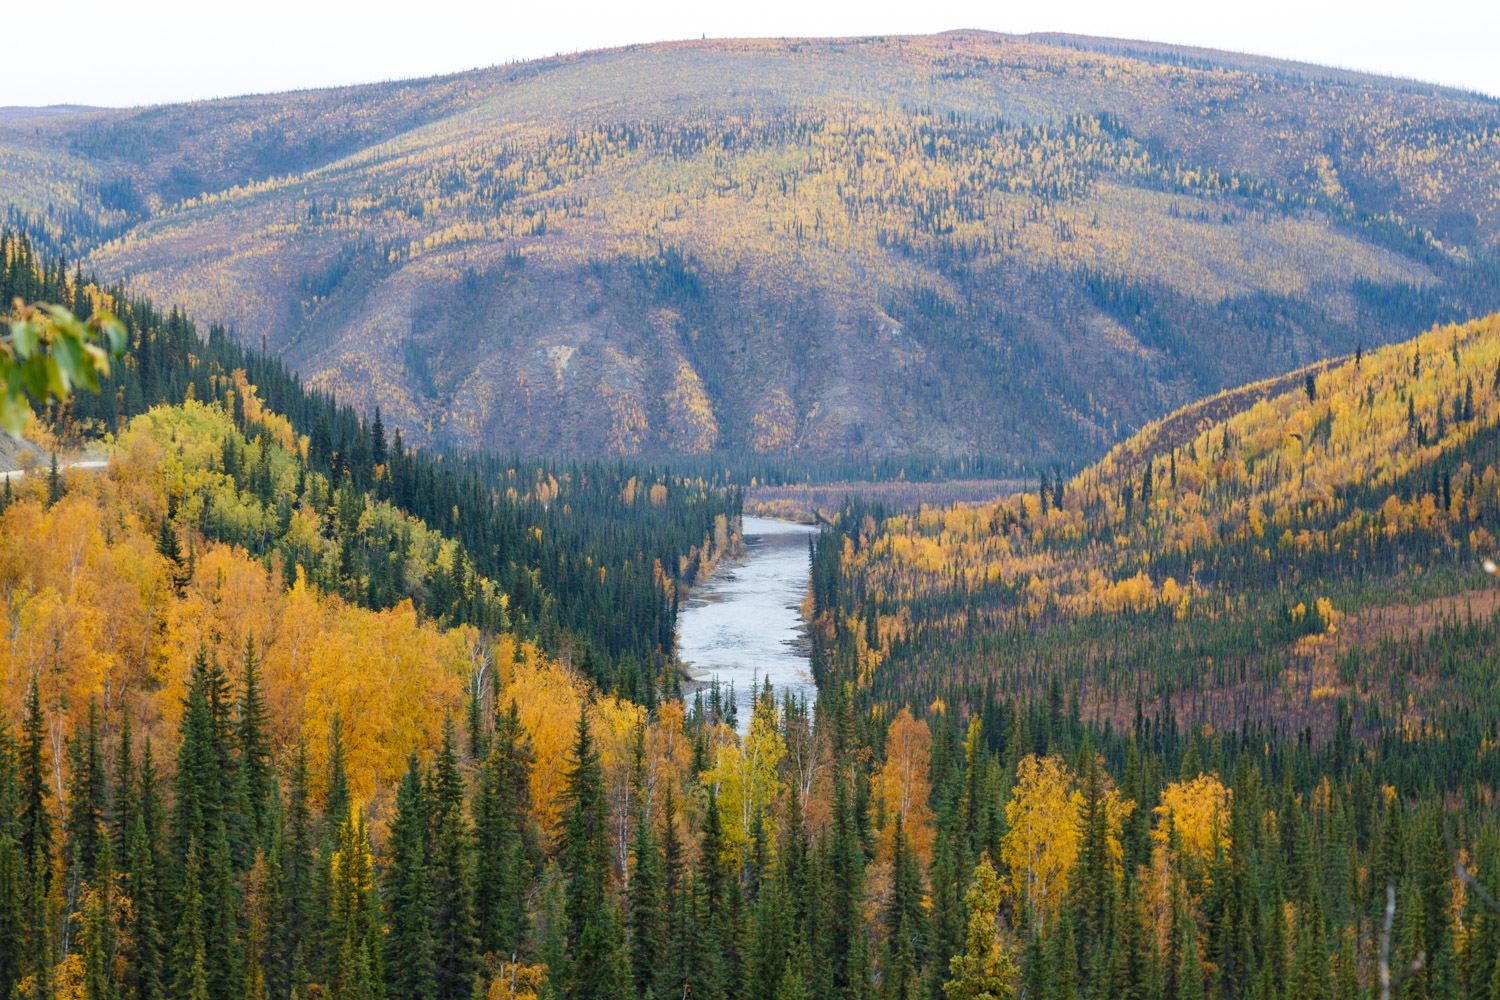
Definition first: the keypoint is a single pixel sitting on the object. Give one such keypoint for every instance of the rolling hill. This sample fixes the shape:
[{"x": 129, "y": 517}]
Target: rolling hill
[
  {"x": 1024, "y": 248},
  {"x": 1315, "y": 550}
]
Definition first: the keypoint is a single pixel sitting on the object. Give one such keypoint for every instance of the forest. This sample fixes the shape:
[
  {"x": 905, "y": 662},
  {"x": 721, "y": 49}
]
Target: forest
[
  {"x": 1160, "y": 665},
  {"x": 290, "y": 708}
]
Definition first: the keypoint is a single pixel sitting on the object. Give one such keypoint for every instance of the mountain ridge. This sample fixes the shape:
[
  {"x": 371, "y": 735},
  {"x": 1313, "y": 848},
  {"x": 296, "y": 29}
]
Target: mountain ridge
[{"x": 960, "y": 244}]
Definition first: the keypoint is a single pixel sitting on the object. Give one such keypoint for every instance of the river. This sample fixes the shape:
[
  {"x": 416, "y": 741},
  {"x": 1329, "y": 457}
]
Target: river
[{"x": 744, "y": 623}]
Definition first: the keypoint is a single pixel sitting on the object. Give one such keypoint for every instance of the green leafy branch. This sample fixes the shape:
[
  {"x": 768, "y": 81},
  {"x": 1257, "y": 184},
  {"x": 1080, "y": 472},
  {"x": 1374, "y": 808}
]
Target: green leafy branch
[{"x": 48, "y": 353}]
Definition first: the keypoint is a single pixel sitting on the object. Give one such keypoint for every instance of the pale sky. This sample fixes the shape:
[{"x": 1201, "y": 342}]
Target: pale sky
[{"x": 175, "y": 50}]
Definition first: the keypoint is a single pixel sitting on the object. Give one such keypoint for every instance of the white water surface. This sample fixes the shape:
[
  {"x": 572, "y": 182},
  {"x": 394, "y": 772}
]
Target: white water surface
[{"x": 744, "y": 623}]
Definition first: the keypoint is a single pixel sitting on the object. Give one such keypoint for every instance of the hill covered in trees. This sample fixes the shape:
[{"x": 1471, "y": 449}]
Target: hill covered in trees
[
  {"x": 963, "y": 244},
  {"x": 236, "y": 762},
  {"x": 289, "y": 709},
  {"x": 581, "y": 558},
  {"x": 1316, "y": 549}
]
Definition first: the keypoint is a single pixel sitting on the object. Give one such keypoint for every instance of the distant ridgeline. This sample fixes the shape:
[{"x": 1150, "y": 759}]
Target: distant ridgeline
[
  {"x": 580, "y": 556},
  {"x": 1306, "y": 555},
  {"x": 888, "y": 253}
]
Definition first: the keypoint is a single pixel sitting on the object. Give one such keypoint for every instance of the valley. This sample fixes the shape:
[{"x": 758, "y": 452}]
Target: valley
[{"x": 943, "y": 517}]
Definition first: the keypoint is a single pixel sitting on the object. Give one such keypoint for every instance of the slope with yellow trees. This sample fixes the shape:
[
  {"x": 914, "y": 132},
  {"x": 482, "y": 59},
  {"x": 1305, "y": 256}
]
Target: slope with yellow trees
[{"x": 1299, "y": 550}]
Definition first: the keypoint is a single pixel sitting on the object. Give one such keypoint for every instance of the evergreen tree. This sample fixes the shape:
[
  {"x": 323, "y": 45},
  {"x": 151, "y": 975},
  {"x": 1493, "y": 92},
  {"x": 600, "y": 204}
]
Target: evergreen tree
[
  {"x": 984, "y": 970},
  {"x": 1063, "y": 959},
  {"x": 774, "y": 940},
  {"x": 845, "y": 869},
  {"x": 648, "y": 946},
  {"x": 1038, "y": 979},
  {"x": 36, "y": 818},
  {"x": 54, "y": 483},
  {"x": 948, "y": 920},
  {"x": 1094, "y": 874},
  {"x": 408, "y": 950},
  {"x": 199, "y": 798},
  {"x": 354, "y": 918},
  {"x": 13, "y": 941},
  {"x": 1310, "y": 975},
  {"x": 290, "y": 965},
  {"x": 168, "y": 544},
  {"x": 673, "y": 977},
  {"x": 261, "y": 910},
  {"x": 502, "y": 867},
  {"x": 122, "y": 806},
  {"x": 143, "y": 976},
  {"x": 190, "y": 953},
  {"x": 584, "y": 859},
  {"x": 222, "y": 907},
  {"x": 902, "y": 959},
  {"x": 258, "y": 774},
  {"x": 87, "y": 805},
  {"x": 1189, "y": 973},
  {"x": 336, "y": 803},
  {"x": 99, "y": 930},
  {"x": 454, "y": 934}
]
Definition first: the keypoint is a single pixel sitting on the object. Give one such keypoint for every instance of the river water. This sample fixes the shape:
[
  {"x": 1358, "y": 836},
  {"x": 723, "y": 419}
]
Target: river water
[{"x": 744, "y": 623}]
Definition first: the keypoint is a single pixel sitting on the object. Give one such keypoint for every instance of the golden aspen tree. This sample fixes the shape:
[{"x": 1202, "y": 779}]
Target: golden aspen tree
[
  {"x": 1041, "y": 843},
  {"x": 903, "y": 786},
  {"x": 1198, "y": 811}
]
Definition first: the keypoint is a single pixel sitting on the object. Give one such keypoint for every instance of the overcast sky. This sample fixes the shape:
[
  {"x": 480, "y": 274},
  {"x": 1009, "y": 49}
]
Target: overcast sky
[{"x": 110, "y": 52}]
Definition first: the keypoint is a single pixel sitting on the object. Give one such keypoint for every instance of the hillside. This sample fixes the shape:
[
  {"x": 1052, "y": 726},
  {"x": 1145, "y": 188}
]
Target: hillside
[
  {"x": 1311, "y": 551},
  {"x": 582, "y": 557},
  {"x": 399, "y": 802},
  {"x": 288, "y": 710},
  {"x": 1018, "y": 247}
]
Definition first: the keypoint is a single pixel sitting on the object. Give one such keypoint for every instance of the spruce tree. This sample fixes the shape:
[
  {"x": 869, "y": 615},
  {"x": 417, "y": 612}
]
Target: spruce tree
[
  {"x": 290, "y": 965},
  {"x": 99, "y": 931},
  {"x": 905, "y": 920},
  {"x": 773, "y": 939},
  {"x": 197, "y": 799},
  {"x": 949, "y": 859},
  {"x": 672, "y": 978},
  {"x": 222, "y": 907},
  {"x": 258, "y": 776},
  {"x": 122, "y": 809},
  {"x": 1189, "y": 972},
  {"x": 1038, "y": 979},
  {"x": 648, "y": 945},
  {"x": 262, "y": 909},
  {"x": 87, "y": 806},
  {"x": 1094, "y": 873},
  {"x": 168, "y": 545},
  {"x": 13, "y": 941},
  {"x": 408, "y": 949},
  {"x": 190, "y": 953},
  {"x": 354, "y": 918},
  {"x": 584, "y": 864},
  {"x": 36, "y": 818},
  {"x": 984, "y": 969},
  {"x": 1063, "y": 959},
  {"x": 454, "y": 934},
  {"x": 143, "y": 976},
  {"x": 54, "y": 483},
  {"x": 501, "y": 865},
  {"x": 845, "y": 869}
]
